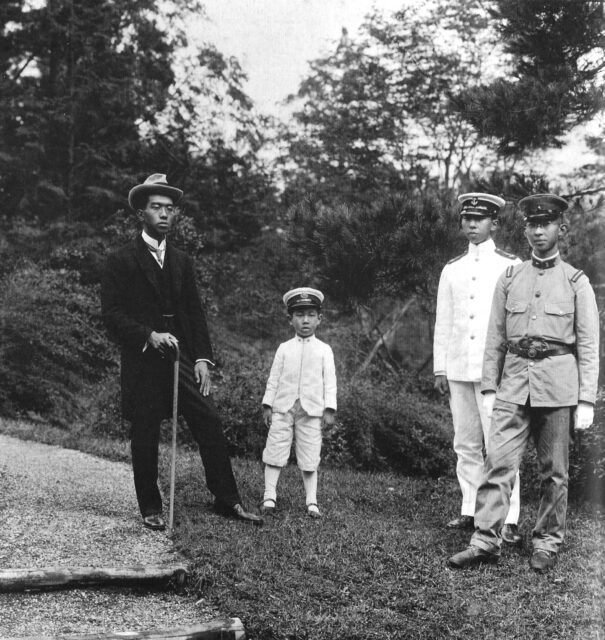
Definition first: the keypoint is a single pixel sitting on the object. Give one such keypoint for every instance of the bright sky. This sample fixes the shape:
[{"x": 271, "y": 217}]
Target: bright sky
[{"x": 274, "y": 39}]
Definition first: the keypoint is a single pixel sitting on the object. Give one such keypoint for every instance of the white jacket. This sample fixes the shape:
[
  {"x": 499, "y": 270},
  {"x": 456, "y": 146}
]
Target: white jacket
[
  {"x": 464, "y": 300},
  {"x": 303, "y": 368}
]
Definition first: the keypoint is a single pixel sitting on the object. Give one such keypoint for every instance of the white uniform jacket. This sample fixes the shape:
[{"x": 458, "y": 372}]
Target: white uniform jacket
[
  {"x": 303, "y": 368},
  {"x": 464, "y": 301}
]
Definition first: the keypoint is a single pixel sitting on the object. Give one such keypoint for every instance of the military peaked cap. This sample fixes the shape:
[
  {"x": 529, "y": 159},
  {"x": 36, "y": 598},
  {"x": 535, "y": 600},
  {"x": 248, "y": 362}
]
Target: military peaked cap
[
  {"x": 480, "y": 204},
  {"x": 303, "y": 297},
  {"x": 542, "y": 206}
]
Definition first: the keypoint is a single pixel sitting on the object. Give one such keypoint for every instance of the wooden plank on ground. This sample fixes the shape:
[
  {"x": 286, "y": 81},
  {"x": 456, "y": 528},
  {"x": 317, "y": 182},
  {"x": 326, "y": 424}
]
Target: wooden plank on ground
[
  {"x": 64, "y": 577},
  {"x": 227, "y": 629}
]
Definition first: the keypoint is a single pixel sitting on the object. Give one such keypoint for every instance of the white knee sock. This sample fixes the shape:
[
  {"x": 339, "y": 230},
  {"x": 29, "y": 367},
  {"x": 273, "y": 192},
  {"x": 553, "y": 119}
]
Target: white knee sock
[
  {"x": 271, "y": 478},
  {"x": 310, "y": 484}
]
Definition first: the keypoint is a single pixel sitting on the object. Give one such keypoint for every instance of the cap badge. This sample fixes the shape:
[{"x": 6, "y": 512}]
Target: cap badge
[{"x": 474, "y": 202}]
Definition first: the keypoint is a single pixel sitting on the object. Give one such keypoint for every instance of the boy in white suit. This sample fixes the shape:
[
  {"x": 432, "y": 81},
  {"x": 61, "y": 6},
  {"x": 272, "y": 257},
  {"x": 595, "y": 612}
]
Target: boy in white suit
[
  {"x": 464, "y": 300},
  {"x": 299, "y": 398}
]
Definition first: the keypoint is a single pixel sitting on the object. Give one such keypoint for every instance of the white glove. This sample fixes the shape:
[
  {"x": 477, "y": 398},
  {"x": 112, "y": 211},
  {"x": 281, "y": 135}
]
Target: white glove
[
  {"x": 584, "y": 416},
  {"x": 489, "y": 397}
]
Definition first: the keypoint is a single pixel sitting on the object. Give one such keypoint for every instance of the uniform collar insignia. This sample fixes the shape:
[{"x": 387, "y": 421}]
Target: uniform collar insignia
[{"x": 549, "y": 263}]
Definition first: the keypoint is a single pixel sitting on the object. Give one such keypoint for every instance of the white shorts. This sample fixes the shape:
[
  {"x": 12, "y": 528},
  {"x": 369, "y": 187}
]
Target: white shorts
[{"x": 304, "y": 429}]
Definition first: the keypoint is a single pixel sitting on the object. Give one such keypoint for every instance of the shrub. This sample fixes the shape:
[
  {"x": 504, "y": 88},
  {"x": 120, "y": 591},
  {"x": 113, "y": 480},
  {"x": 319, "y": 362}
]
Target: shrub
[
  {"x": 380, "y": 425},
  {"x": 54, "y": 348},
  {"x": 587, "y": 462},
  {"x": 386, "y": 426}
]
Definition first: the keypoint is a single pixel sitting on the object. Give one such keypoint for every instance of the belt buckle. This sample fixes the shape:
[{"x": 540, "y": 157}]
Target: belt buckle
[{"x": 536, "y": 347}]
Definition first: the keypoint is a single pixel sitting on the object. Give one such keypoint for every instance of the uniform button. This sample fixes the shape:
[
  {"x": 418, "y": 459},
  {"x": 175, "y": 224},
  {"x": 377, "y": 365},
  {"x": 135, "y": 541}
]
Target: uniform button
[
  {"x": 540, "y": 273},
  {"x": 476, "y": 259},
  {"x": 472, "y": 297},
  {"x": 531, "y": 363},
  {"x": 534, "y": 317},
  {"x": 538, "y": 294},
  {"x": 472, "y": 316},
  {"x": 473, "y": 278},
  {"x": 472, "y": 337}
]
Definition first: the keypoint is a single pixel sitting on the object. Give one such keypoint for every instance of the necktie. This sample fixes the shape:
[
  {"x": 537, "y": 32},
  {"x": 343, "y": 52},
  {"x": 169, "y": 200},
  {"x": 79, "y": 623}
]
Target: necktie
[{"x": 159, "y": 253}]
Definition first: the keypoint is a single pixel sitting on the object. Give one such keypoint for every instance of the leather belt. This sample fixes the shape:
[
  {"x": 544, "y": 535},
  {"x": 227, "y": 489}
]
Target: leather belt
[{"x": 538, "y": 349}]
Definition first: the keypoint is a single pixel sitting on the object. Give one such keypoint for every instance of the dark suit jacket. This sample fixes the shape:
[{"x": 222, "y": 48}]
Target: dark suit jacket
[{"x": 132, "y": 308}]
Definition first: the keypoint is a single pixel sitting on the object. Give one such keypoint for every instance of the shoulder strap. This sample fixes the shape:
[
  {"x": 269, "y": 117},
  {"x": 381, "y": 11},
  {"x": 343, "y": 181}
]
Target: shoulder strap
[
  {"x": 506, "y": 254},
  {"x": 509, "y": 270},
  {"x": 576, "y": 276},
  {"x": 458, "y": 257}
]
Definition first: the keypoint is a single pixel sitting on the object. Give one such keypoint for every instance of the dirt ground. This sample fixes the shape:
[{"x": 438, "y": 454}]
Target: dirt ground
[{"x": 64, "y": 508}]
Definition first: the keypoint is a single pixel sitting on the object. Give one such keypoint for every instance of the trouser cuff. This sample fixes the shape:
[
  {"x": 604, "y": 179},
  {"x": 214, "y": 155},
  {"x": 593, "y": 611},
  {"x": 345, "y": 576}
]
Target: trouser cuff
[{"x": 485, "y": 546}]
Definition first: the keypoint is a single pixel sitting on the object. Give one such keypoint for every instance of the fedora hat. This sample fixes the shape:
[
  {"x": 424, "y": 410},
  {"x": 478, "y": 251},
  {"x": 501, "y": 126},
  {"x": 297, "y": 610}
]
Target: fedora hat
[{"x": 157, "y": 184}]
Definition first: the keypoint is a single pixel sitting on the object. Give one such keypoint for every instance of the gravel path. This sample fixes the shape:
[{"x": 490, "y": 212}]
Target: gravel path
[{"x": 62, "y": 507}]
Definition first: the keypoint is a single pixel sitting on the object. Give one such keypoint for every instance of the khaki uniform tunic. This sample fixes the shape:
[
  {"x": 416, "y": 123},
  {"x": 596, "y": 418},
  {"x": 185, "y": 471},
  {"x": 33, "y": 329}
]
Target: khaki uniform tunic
[{"x": 550, "y": 300}]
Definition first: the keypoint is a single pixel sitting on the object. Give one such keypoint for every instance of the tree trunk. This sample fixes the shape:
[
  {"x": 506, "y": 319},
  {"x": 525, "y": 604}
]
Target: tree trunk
[
  {"x": 383, "y": 339},
  {"x": 64, "y": 577}
]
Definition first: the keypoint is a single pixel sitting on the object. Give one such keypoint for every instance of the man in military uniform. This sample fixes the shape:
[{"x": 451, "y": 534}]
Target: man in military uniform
[
  {"x": 464, "y": 300},
  {"x": 540, "y": 368}
]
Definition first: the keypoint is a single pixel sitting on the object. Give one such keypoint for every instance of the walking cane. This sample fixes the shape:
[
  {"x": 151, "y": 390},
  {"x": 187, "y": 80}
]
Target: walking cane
[{"x": 175, "y": 404}]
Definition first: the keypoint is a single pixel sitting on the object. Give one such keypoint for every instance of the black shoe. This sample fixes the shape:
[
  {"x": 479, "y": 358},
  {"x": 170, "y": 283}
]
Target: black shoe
[
  {"x": 267, "y": 507},
  {"x": 472, "y": 557},
  {"x": 461, "y": 522},
  {"x": 542, "y": 560},
  {"x": 154, "y": 522},
  {"x": 510, "y": 534},
  {"x": 238, "y": 512},
  {"x": 313, "y": 513}
]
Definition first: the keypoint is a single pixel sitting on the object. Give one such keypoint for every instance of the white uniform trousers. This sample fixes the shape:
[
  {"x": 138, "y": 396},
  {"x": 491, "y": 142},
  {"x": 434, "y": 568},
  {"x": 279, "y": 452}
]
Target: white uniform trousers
[
  {"x": 295, "y": 424},
  {"x": 471, "y": 431}
]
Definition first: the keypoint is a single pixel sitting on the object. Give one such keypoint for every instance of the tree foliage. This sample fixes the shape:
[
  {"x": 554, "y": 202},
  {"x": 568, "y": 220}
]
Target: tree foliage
[
  {"x": 97, "y": 95},
  {"x": 394, "y": 247},
  {"x": 374, "y": 114},
  {"x": 556, "y": 51},
  {"x": 79, "y": 76}
]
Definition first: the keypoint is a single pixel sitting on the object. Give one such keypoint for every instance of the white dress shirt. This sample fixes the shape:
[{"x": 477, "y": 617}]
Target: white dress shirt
[
  {"x": 156, "y": 249},
  {"x": 303, "y": 369},
  {"x": 464, "y": 299}
]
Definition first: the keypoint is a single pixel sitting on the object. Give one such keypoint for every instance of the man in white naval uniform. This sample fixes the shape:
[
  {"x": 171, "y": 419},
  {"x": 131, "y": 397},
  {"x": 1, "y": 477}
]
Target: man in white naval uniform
[{"x": 464, "y": 301}]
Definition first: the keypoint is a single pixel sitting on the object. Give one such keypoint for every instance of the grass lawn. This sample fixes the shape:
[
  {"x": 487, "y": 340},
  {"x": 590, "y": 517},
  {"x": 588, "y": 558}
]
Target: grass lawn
[{"x": 375, "y": 565}]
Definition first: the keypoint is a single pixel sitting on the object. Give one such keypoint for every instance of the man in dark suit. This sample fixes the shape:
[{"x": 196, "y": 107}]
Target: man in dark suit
[{"x": 150, "y": 303}]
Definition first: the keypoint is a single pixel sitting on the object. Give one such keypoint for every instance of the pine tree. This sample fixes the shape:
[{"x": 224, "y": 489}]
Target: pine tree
[{"x": 556, "y": 51}]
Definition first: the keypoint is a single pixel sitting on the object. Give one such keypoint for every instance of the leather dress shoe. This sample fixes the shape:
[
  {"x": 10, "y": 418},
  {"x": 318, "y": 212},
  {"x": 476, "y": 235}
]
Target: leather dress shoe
[
  {"x": 154, "y": 521},
  {"x": 313, "y": 511},
  {"x": 461, "y": 522},
  {"x": 238, "y": 512},
  {"x": 472, "y": 557},
  {"x": 510, "y": 534},
  {"x": 542, "y": 560}
]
